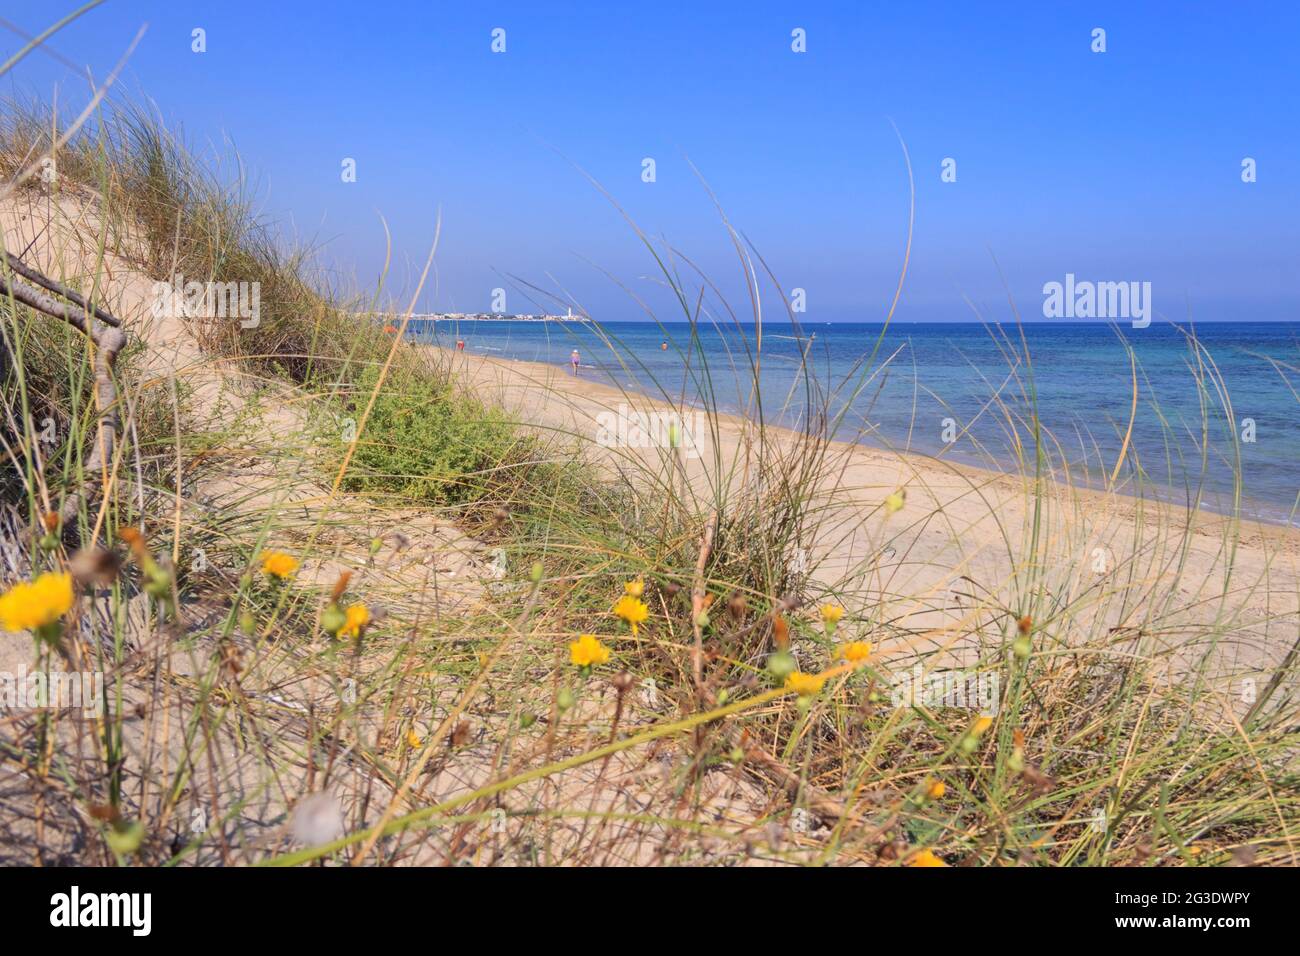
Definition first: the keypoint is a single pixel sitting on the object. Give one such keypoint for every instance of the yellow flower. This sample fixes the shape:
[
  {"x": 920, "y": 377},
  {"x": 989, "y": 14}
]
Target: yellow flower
[
  {"x": 831, "y": 614},
  {"x": 278, "y": 564},
  {"x": 634, "y": 588},
  {"x": 805, "y": 684},
  {"x": 413, "y": 739},
  {"x": 588, "y": 650},
  {"x": 895, "y": 501},
  {"x": 926, "y": 858},
  {"x": 28, "y": 607},
  {"x": 971, "y": 741},
  {"x": 356, "y": 617},
  {"x": 632, "y": 610},
  {"x": 855, "y": 651},
  {"x": 936, "y": 789}
]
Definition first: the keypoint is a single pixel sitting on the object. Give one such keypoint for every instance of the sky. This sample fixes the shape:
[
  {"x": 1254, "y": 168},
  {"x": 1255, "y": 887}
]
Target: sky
[{"x": 1122, "y": 165}]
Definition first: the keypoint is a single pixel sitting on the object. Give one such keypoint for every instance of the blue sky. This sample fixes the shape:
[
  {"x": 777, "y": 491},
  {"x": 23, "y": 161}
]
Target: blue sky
[{"x": 1123, "y": 165}]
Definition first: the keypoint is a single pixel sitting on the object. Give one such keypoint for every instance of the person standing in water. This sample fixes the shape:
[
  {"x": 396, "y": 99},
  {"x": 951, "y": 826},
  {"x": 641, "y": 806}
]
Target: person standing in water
[{"x": 573, "y": 360}]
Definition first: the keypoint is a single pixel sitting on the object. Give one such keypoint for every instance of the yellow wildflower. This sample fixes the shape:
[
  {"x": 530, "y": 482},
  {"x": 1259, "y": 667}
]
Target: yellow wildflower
[
  {"x": 278, "y": 564},
  {"x": 634, "y": 588},
  {"x": 855, "y": 651},
  {"x": 632, "y": 610},
  {"x": 895, "y": 501},
  {"x": 29, "y": 607},
  {"x": 805, "y": 684},
  {"x": 926, "y": 858},
  {"x": 971, "y": 741},
  {"x": 588, "y": 650},
  {"x": 831, "y": 614},
  {"x": 413, "y": 739},
  {"x": 355, "y": 618},
  {"x": 936, "y": 789}
]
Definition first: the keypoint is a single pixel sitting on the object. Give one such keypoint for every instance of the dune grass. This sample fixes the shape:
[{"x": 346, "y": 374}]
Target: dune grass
[{"x": 452, "y": 725}]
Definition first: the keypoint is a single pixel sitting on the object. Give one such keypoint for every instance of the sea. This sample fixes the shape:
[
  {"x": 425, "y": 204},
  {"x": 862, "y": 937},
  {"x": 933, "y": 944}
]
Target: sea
[{"x": 1215, "y": 424}]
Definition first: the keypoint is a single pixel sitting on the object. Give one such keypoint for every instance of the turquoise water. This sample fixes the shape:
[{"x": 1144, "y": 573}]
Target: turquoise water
[{"x": 923, "y": 374}]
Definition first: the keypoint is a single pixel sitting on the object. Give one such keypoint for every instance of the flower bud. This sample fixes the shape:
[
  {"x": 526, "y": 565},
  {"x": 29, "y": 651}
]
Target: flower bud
[
  {"x": 124, "y": 838},
  {"x": 1016, "y": 762},
  {"x": 781, "y": 664},
  {"x": 332, "y": 619}
]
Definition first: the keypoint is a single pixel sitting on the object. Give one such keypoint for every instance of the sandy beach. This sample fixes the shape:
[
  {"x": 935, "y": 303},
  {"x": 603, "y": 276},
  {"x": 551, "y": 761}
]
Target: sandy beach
[{"x": 949, "y": 567}]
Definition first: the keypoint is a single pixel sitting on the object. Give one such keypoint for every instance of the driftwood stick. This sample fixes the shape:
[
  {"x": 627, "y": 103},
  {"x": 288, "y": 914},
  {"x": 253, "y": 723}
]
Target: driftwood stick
[
  {"x": 59, "y": 289},
  {"x": 108, "y": 340}
]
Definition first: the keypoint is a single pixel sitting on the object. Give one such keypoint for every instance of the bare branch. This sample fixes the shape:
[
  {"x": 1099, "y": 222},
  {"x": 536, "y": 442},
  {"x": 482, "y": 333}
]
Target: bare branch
[{"x": 108, "y": 339}]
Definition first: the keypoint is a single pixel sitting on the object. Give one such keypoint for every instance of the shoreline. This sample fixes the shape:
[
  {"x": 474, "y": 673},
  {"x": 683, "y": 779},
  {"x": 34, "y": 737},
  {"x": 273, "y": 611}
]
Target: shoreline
[
  {"x": 904, "y": 404},
  {"x": 532, "y": 374}
]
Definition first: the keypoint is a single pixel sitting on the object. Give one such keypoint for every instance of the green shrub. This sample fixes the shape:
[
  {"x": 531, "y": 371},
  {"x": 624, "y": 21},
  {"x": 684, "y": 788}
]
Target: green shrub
[{"x": 425, "y": 442}]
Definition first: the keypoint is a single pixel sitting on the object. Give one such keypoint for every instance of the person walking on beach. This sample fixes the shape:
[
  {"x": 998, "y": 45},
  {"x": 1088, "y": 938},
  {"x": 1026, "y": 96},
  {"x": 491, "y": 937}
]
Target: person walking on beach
[{"x": 573, "y": 360}]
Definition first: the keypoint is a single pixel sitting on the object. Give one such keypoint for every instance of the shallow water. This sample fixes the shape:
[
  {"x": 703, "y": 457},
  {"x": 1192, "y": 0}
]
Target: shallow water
[{"x": 929, "y": 381}]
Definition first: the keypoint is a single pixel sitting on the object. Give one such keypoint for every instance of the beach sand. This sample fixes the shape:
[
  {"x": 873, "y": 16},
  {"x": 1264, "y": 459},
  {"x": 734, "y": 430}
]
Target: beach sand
[{"x": 952, "y": 570}]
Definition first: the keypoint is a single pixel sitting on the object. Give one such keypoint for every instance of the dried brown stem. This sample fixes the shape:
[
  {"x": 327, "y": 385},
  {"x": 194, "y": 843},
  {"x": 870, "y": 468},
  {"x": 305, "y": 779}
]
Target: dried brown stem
[{"x": 819, "y": 801}]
